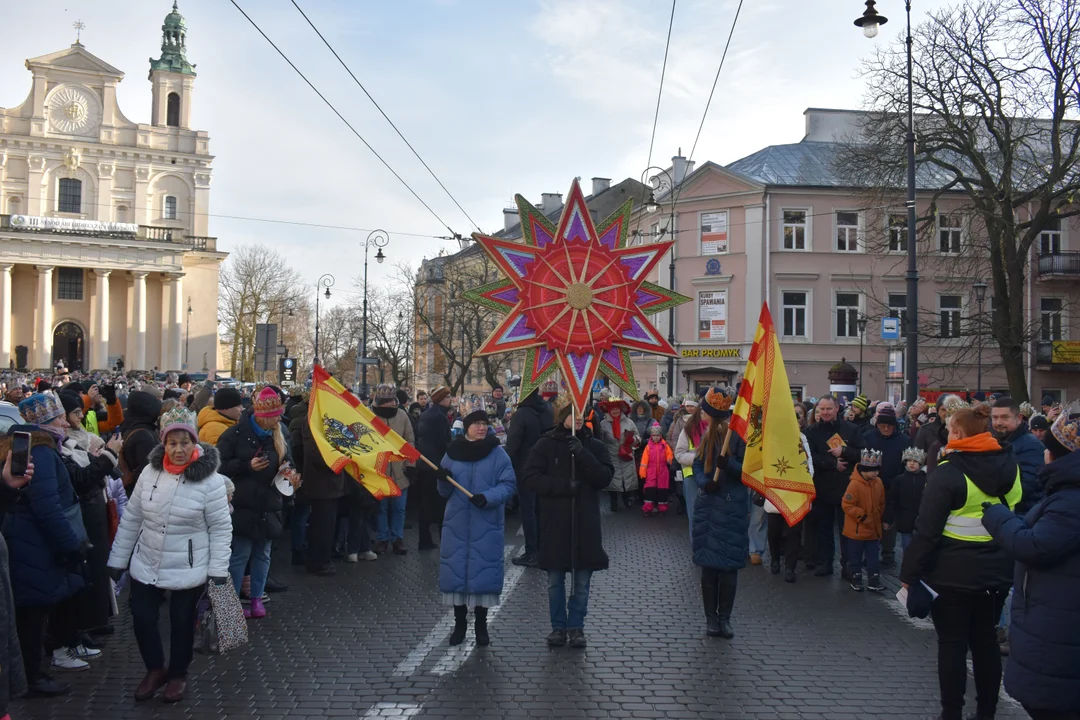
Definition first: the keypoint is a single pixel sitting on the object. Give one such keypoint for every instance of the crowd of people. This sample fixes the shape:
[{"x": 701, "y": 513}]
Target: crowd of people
[{"x": 139, "y": 488}]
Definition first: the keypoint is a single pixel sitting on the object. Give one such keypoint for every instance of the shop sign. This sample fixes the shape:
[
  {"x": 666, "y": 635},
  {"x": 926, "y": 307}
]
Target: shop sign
[
  {"x": 711, "y": 352},
  {"x": 1065, "y": 352}
]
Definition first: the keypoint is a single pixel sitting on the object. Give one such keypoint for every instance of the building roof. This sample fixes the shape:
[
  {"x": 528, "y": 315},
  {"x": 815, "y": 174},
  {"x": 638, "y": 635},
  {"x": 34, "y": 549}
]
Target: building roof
[
  {"x": 173, "y": 45},
  {"x": 600, "y": 205}
]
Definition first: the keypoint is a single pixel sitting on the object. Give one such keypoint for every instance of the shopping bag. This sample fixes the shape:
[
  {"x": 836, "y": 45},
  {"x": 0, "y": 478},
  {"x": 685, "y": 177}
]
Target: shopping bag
[{"x": 221, "y": 626}]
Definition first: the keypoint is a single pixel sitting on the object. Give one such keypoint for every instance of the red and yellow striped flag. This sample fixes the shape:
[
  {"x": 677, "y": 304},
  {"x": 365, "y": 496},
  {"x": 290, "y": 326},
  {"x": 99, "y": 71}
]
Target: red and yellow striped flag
[
  {"x": 775, "y": 462},
  {"x": 352, "y": 438}
]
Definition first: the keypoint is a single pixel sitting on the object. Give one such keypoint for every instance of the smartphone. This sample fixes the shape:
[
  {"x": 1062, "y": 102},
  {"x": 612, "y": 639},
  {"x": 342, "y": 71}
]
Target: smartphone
[{"x": 20, "y": 453}]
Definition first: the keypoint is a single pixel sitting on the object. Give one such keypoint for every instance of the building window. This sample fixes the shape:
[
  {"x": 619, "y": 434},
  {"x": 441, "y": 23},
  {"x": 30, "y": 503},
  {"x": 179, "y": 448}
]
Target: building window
[
  {"x": 847, "y": 232},
  {"x": 69, "y": 199},
  {"x": 1050, "y": 238},
  {"x": 14, "y": 206},
  {"x": 1056, "y": 394},
  {"x": 897, "y": 232},
  {"x": 1050, "y": 319},
  {"x": 949, "y": 307},
  {"x": 172, "y": 112},
  {"x": 898, "y": 309},
  {"x": 794, "y": 229},
  {"x": 69, "y": 284},
  {"x": 170, "y": 207},
  {"x": 949, "y": 231},
  {"x": 121, "y": 213},
  {"x": 794, "y": 305},
  {"x": 847, "y": 315}
]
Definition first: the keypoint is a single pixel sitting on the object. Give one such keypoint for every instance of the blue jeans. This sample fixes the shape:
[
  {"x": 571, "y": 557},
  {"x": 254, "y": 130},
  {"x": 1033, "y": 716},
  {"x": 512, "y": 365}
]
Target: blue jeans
[
  {"x": 527, "y": 507},
  {"x": 258, "y": 552},
  {"x": 905, "y": 540},
  {"x": 579, "y": 601},
  {"x": 300, "y": 516},
  {"x": 759, "y": 529},
  {"x": 391, "y": 518},
  {"x": 690, "y": 493},
  {"x": 858, "y": 550}
]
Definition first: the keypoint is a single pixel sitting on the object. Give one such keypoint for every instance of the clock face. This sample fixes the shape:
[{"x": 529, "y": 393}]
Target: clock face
[{"x": 73, "y": 110}]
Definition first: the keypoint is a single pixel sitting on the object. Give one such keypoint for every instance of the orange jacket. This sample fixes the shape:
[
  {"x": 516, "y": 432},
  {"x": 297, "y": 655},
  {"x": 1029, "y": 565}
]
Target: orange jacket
[
  {"x": 114, "y": 420},
  {"x": 864, "y": 505},
  {"x": 643, "y": 469}
]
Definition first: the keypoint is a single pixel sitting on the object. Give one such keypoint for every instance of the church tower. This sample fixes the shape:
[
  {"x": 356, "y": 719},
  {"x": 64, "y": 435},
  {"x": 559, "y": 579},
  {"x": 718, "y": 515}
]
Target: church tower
[{"x": 172, "y": 76}]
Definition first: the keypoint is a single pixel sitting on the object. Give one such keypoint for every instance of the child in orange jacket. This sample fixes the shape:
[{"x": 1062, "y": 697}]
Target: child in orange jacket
[
  {"x": 864, "y": 505},
  {"x": 655, "y": 471}
]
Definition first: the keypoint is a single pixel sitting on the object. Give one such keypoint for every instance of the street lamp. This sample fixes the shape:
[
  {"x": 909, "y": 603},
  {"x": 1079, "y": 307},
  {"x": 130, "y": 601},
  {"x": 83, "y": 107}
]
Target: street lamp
[
  {"x": 187, "y": 339},
  {"x": 869, "y": 22},
  {"x": 377, "y": 239},
  {"x": 980, "y": 297},
  {"x": 326, "y": 281},
  {"x": 401, "y": 323},
  {"x": 663, "y": 183},
  {"x": 861, "y": 322}
]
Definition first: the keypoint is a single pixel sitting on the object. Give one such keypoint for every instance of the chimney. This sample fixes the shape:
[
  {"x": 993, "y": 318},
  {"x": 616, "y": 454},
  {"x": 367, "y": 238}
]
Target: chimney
[
  {"x": 599, "y": 185},
  {"x": 550, "y": 202},
  {"x": 510, "y": 218},
  {"x": 678, "y": 168}
]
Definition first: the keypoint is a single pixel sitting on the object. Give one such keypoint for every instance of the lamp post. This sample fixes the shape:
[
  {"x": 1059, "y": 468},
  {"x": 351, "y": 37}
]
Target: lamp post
[
  {"x": 377, "y": 239},
  {"x": 980, "y": 297},
  {"x": 651, "y": 206},
  {"x": 861, "y": 322},
  {"x": 326, "y": 281},
  {"x": 869, "y": 22},
  {"x": 187, "y": 338}
]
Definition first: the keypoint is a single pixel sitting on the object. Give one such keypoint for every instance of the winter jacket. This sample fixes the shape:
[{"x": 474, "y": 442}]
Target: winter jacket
[
  {"x": 625, "y": 478},
  {"x": 140, "y": 430},
  {"x": 203, "y": 398},
  {"x": 722, "y": 519},
  {"x": 655, "y": 467},
  {"x": 547, "y": 473},
  {"x": 432, "y": 437},
  {"x": 12, "y": 672},
  {"x": 864, "y": 505},
  {"x": 212, "y": 424},
  {"x": 471, "y": 555},
  {"x": 532, "y": 419},
  {"x": 829, "y": 482},
  {"x": 258, "y": 506},
  {"x": 927, "y": 435},
  {"x": 902, "y": 501},
  {"x": 319, "y": 481},
  {"x": 892, "y": 450},
  {"x": 108, "y": 421},
  {"x": 88, "y": 473},
  {"x": 1044, "y": 660},
  {"x": 400, "y": 423},
  {"x": 42, "y": 544},
  {"x": 176, "y": 531},
  {"x": 945, "y": 562},
  {"x": 641, "y": 421},
  {"x": 1028, "y": 453},
  {"x": 676, "y": 427}
]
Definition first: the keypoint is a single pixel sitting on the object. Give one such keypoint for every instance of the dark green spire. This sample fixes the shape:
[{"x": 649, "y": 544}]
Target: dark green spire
[{"x": 173, "y": 45}]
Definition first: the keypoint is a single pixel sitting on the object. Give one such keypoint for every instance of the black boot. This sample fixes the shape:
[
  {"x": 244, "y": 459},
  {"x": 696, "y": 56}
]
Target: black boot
[
  {"x": 727, "y": 604},
  {"x": 709, "y": 598},
  {"x": 614, "y": 502},
  {"x": 461, "y": 616},
  {"x": 774, "y": 566},
  {"x": 482, "y": 637}
]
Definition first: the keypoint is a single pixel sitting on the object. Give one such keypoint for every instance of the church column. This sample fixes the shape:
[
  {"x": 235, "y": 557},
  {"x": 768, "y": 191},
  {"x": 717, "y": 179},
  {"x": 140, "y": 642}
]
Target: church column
[
  {"x": 6, "y": 317},
  {"x": 163, "y": 355},
  {"x": 176, "y": 321},
  {"x": 43, "y": 335},
  {"x": 137, "y": 353},
  {"x": 100, "y": 353}
]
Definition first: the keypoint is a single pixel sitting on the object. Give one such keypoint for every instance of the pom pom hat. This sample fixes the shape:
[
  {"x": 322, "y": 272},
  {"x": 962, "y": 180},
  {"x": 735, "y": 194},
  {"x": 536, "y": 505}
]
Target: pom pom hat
[{"x": 267, "y": 403}]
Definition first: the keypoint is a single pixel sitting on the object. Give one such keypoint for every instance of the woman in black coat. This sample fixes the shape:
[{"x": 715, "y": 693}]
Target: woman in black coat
[
  {"x": 251, "y": 452},
  {"x": 567, "y": 471}
]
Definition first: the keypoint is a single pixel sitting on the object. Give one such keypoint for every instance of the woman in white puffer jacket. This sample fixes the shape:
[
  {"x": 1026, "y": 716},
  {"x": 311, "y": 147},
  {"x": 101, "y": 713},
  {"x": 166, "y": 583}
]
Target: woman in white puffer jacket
[{"x": 175, "y": 534}]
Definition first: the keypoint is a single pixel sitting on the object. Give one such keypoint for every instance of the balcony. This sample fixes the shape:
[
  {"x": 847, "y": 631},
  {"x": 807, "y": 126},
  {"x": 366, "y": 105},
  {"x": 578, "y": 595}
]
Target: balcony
[
  {"x": 1063, "y": 265},
  {"x": 97, "y": 229},
  {"x": 1057, "y": 355}
]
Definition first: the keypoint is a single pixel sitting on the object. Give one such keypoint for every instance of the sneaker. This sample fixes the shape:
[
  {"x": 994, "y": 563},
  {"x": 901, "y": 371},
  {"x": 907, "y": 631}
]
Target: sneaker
[
  {"x": 557, "y": 638},
  {"x": 577, "y": 638},
  {"x": 86, "y": 653},
  {"x": 873, "y": 584},
  {"x": 352, "y": 557},
  {"x": 367, "y": 556},
  {"x": 525, "y": 560},
  {"x": 774, "y": 566},
  {"x": 755, "y": 558},
  {"x": 68, "y": 659},
  {"x": 856, "y": 582},
  {"x": 789, "y": 576}
]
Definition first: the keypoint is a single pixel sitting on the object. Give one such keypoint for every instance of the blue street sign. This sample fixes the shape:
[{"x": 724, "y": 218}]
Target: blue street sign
[
  {"x": 597, "y": 385},
  {"x": 890, "y": 328}
]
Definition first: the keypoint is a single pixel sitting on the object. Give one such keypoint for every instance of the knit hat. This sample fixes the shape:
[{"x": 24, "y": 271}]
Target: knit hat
[
  {"x": 179, "y": 418},
  {"x": 1026, "y": 410},
  {"x": 914, "y": 453},
  {"x": 1065, "y": 431},
  {"x": 227, "y": 398},
  {"x": 71, "y": 402},
  {"x": 439, "y": 394},
  {"x": 183, "y": 379},
  {"x": 885, "y": 414},
  {"x": 43, "y": 385},
  {"x": 562, "y": 405},
  {"x": 41, "y": 408},
  {"x": 1048, "y": 400},
  {"x": 717, "y": 404},
  {"x": 860, "y": 403},
  {"x": 870, "y": 460},
  {"x": 1039, "y": 422},
  {"x": 268, "y": 403},
  {"x": 402, "y": 397},
  {"x": 655, "y": 427},
  {"x": 385, "y": 394}
]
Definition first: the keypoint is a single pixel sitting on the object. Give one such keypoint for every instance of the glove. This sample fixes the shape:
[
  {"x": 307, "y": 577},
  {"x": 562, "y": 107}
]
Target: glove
[
  {"x": 444, "y": 475},
  {"x": 987, "y": 505},
  {"x": 478, "y": 500},
  {"x": 712, "y": 487},
  {"x": 219, "y": 580},
  {"x": 721, "y": 462},
  {"x": 410, "y": 474},
  {"x": 109, "y": 393},
  {"x": 575, "y": 445},
  {"x": 116, "y": 573}
]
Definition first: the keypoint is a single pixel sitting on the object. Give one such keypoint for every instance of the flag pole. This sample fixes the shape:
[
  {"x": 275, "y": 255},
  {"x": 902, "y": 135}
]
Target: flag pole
[{"x": 449, "y": 479}]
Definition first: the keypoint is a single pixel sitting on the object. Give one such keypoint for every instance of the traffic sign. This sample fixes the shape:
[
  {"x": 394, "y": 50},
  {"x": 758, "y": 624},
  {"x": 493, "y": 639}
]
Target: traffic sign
[
  {"x": 598, "y": 385},
  {"x": 287, "y": 371},
  {"x": 890, "y": 328},
  {"x": 369, "y": 361}
]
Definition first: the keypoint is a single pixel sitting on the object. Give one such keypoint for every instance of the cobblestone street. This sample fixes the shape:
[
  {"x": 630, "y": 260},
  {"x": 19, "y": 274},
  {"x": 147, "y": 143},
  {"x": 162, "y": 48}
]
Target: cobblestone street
[{"x": 371, "y": 642}]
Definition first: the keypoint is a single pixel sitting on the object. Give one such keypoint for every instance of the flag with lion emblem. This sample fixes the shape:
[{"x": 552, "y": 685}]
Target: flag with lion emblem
[
  {"x": 352, "y": 438},
  {"x": 775, "y": 463}
]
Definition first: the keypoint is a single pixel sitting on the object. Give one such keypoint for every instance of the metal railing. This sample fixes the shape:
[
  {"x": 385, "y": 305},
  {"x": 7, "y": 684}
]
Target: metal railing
[
  {"x": 1044, "y": 353},
  {"x": 150, "y": 233},
  {"x": 1066, "y": 263}
]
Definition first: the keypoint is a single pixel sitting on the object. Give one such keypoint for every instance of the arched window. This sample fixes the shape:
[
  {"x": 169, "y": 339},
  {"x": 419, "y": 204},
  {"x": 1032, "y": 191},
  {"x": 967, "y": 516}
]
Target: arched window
[
  {"x": 172, "y": 113},
  {"x": 170, "y": 207},
  {"x": 69, "y": 197}
]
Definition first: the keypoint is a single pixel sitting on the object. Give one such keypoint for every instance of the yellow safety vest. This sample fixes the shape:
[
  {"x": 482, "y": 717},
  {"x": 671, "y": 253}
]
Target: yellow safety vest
[
  {"x": 90, "y": 423},
  {"x": 688, "y": 471},
  {"x": 965, "y": 523}
]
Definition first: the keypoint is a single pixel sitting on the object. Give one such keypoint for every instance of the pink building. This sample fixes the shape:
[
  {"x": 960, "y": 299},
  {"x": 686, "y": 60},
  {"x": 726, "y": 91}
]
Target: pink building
[{"x": 780, "y": 225}]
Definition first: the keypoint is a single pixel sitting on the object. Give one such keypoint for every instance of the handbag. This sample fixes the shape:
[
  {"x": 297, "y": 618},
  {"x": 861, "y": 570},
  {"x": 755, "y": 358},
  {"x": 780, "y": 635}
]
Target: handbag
[{"x": 221, "y": 626}]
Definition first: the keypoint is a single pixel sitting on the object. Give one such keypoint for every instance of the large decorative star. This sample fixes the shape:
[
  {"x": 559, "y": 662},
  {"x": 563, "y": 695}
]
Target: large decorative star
[{"x": 575, "y": 297}]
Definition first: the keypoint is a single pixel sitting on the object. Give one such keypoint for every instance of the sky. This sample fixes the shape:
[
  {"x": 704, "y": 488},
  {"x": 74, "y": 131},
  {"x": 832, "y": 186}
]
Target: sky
[{"x": 498, "y": 96}]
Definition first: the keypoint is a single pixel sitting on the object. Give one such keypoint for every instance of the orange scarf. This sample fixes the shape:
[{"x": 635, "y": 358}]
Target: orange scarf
[
  {"x": 179, "y": 469},
  {"x": 983, "y": 442}
]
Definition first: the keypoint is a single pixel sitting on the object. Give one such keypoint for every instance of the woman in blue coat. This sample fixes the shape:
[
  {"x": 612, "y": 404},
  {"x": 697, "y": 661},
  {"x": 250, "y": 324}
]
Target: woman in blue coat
[
  {"x": 721, "y": 516},
  {"x": 471, "y": 557},
  {"x": 1043, "y": 671}
]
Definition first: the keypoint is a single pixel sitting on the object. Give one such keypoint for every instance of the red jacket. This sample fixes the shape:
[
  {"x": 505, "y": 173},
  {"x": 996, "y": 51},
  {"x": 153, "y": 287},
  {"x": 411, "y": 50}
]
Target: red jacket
[{"x": 655, "y": 463}]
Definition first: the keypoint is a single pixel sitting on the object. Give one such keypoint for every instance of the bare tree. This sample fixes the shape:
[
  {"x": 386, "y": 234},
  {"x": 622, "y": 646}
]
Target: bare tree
[
  {"x": 995, "y": 96},
  {"x": 390, "y": 330}
]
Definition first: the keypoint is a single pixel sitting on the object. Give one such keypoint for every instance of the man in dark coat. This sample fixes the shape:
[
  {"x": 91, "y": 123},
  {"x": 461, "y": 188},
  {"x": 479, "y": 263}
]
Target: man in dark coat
[
  {"x": 887, "y": 438},
  {"x": 533, "y": 418},
  {"x": 565, "y": 471},
  {"x": 1009, "y": 427},
  {"x": 500, "y": 401},
  {"x": 321, "y": 489},
  {"x": 835, "y": 447},
  {"x": 140, "y": 433},
  {"x": 432, "y": 439}
]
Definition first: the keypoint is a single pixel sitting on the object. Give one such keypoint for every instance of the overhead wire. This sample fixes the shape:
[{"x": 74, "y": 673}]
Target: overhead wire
[
  {"x": 342, "y": 117},
  {"x": 383, "y": 113}
]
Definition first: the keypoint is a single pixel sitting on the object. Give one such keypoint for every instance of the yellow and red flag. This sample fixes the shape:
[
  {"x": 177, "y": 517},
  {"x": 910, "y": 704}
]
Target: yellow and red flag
[
  {"x": 775, "y": 462},
  {"x": 352, "y": 438}
]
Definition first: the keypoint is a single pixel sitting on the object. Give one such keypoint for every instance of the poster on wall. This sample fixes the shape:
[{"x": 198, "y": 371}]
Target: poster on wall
[
  {"x": 714, "y": 229},
  {"x": 712, "y": 315}
]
